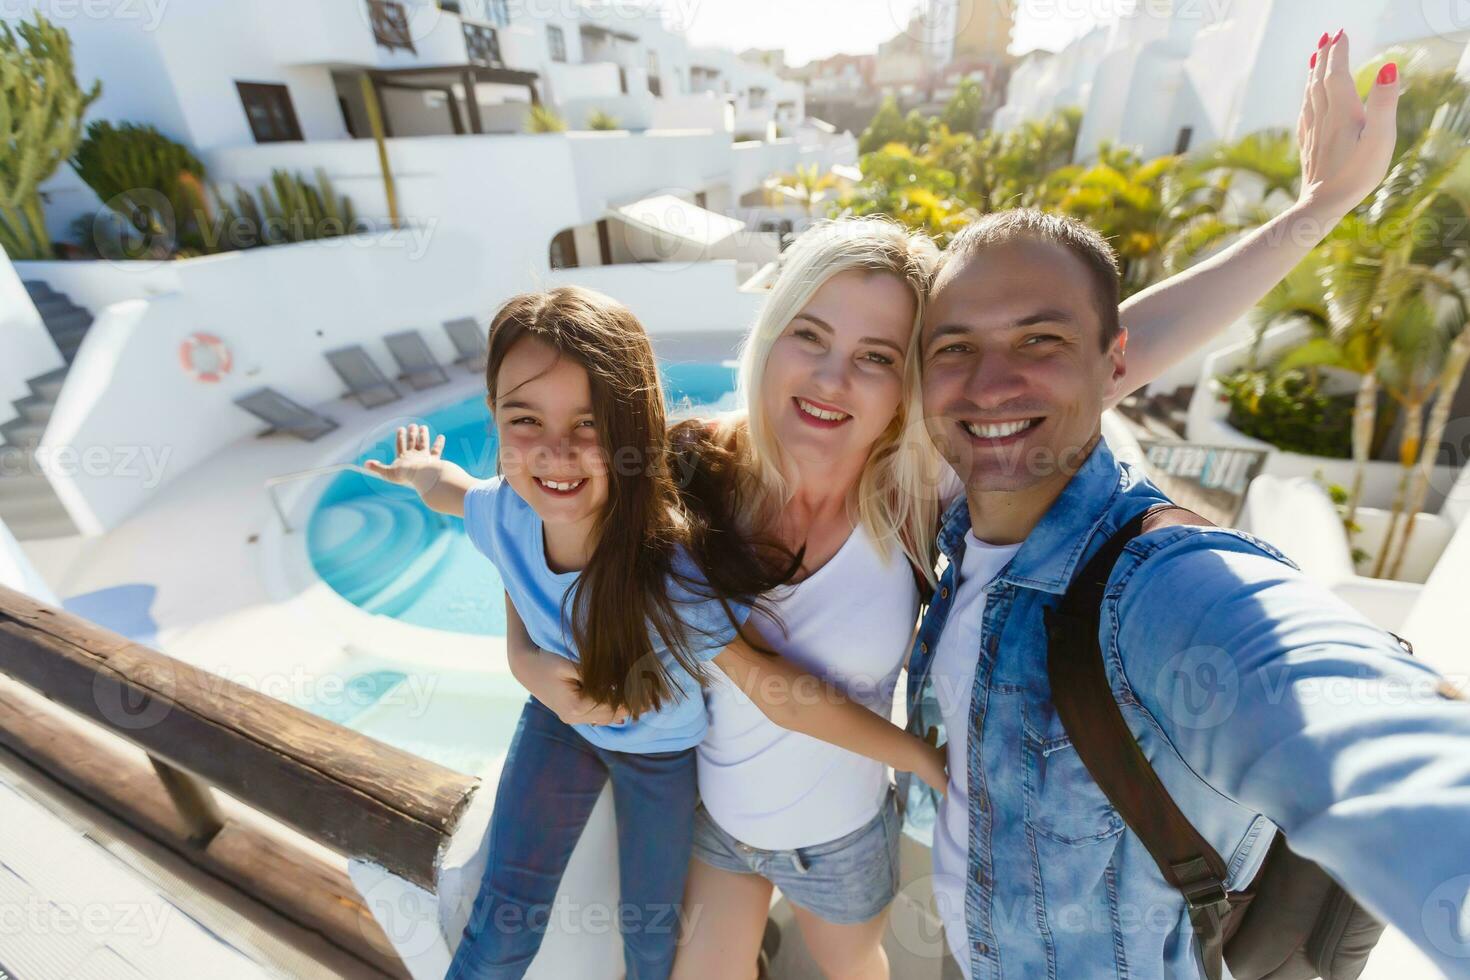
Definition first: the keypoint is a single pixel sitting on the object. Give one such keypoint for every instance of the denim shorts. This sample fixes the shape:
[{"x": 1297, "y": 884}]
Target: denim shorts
[{"x": 844, "y": 881}]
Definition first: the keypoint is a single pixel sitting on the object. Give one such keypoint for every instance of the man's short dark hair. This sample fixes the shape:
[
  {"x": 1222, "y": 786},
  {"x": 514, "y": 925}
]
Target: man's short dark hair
[{"x": 1077, "y": 237}]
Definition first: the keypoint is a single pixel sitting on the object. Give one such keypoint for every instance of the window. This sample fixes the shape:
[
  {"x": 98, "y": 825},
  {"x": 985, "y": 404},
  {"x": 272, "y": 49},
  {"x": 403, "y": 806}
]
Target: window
[
  {"x": 497, "y": 12},
  {"x": 564, "y": 250},
  {"x": 390, "y": 25},
  {"x": 556, "y": 40},
  {"x": 482, "y": 45},
  {"x": 655, "y": 83},
  {"x": 1182, "y": 143},
  {"x": 268, "y": 109}
]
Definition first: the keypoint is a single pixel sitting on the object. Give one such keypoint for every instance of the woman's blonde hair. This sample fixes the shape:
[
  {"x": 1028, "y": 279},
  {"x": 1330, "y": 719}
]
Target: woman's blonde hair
[{"x": 897, "y": 494}]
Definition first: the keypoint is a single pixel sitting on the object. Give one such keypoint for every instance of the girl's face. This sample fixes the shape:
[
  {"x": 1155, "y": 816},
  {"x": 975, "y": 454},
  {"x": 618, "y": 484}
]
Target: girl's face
[
  {"x": 834, "y": 379},
  {"x": 549, "y": 448}
]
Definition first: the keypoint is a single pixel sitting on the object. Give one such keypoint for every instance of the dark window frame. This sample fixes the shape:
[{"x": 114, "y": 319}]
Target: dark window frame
[
  {"x": 269, "y": 96},
  {"x": 556, "y": 42},
  {"x": 482, "y": 45}
]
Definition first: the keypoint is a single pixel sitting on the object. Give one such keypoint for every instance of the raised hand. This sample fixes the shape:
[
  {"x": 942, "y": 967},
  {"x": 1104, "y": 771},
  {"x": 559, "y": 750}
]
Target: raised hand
[
  {"x": 1346, "y": 143},
  {"x": 415, "y": 459}
]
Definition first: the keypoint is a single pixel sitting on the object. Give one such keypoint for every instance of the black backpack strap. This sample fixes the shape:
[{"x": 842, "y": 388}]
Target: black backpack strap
[{"x": 1091, "y": 717}]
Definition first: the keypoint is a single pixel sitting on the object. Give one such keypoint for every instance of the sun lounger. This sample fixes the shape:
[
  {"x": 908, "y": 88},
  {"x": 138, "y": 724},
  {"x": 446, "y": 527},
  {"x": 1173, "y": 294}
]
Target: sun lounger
[
  {"x": 415, "y": 361},
  {"x": 284, "y": 415},
  {"x": 364, "y": 379},
  {"x": 469, "y": 341}
]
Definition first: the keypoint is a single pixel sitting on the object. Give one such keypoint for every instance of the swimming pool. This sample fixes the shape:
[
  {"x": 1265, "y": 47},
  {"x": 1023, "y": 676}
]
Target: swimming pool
[{"x": 379, "y": 547}]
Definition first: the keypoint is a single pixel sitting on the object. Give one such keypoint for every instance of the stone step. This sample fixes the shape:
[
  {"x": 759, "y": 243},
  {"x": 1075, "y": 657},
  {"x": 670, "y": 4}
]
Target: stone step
[
  {"x": 40, "y": 528},
  {"x": 34, "y": 408},
  {"x": 75, "y": 319},
  {"x": 54, "y": 304},
  {"x": 48, "y": 385},
  {"x": 22, "y": 432}
]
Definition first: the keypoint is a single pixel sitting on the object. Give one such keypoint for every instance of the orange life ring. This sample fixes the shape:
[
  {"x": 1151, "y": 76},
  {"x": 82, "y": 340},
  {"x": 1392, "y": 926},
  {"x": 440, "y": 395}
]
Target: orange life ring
[{"x": 205, "y": 357}]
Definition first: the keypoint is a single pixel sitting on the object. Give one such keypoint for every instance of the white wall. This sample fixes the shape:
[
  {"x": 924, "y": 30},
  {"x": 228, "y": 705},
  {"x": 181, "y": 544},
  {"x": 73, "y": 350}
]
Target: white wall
[
  {"x": 17, "y": 572},
  {"x": 28, "y": 348}
]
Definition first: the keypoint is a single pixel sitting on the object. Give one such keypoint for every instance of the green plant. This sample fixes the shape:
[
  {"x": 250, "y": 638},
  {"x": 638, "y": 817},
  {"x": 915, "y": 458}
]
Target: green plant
[
  {"x": 289, "y": 209},
  {"x": 544, "y": 120},
  {"x": 1340, "y": 497},
  {"x": 147, "y": 178},
  {"x": 41, "y": 109},
  {"x": 599, "y": 120},
  {"x": 966, "y": 108},
  {"x": 1286, "y": 409}
]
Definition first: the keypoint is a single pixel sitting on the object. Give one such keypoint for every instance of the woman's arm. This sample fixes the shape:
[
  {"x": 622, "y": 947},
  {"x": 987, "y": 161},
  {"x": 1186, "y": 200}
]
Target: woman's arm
[
  {"x": 1346, "y": 145},
  {"x": 807, "y": 704},
  {"x": 555, "y": 681},
  {"x": 420, "y": 465}
]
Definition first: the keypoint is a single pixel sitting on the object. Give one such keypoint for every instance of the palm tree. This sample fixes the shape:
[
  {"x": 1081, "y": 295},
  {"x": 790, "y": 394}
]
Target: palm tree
[{"x": 805, "y": 183}]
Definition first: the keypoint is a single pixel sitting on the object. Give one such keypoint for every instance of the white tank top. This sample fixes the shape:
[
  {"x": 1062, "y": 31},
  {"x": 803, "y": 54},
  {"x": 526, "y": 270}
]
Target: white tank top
[{"x": 851, "y": 623}]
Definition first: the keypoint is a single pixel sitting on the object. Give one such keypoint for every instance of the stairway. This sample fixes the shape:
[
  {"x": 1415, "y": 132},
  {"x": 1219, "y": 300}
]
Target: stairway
[{"x": 28, "y": 505}]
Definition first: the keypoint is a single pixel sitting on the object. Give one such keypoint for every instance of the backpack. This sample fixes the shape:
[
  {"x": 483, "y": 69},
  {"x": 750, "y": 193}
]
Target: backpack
[{"x": 1293, "y": 921}]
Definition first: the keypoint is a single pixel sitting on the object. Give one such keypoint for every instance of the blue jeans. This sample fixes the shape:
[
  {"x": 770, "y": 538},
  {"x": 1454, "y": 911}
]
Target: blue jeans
[{"x": 551, "y": 779}]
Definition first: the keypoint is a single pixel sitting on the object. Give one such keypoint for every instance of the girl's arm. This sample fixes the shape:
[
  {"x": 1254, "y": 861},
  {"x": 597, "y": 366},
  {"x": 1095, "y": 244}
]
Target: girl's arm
[
  {"x": 420, "y": 465},
  {"x": 807, "y": 704},
  {"x": 555, "y": 681},
  {"x": 1346, "y": 145}
]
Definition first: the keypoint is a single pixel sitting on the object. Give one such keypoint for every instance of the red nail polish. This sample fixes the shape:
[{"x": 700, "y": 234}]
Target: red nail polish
[
  {"x": 1313, "y": 62},
  {"x": 1338, "y": 36},
  {"x": 1323, "y": 43},
  {"x": 1388, "y": 74}
]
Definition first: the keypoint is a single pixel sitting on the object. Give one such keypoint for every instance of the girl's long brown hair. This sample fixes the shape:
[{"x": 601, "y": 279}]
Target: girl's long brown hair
[{"x": 624, "y": 592}]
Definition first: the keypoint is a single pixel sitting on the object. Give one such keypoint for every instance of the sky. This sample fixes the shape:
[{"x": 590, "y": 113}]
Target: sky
[{"x": 810, "y": 29}]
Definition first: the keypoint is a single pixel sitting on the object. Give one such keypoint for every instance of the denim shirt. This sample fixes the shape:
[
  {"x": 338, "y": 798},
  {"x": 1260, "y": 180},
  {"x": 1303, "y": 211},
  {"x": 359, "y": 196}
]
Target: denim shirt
[{"x": 1261, "y": 699}]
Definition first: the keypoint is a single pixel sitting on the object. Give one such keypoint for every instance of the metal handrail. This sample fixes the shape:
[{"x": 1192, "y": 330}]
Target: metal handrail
[{"x": 275, "y": 481}]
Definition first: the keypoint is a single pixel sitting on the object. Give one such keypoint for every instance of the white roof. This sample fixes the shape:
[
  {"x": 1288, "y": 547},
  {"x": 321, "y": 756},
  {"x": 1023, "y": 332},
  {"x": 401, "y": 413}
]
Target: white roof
[{"x": 666, "y": 214}]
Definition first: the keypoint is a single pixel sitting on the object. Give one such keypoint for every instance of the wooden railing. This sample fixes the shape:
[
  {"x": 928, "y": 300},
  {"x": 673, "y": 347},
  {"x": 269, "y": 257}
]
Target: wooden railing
[{"x": 357, "y": 796}]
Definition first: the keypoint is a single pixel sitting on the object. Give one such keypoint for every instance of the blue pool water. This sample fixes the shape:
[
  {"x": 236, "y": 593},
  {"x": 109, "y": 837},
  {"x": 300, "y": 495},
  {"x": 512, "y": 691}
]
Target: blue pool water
[{"x": 379, "y": 547}]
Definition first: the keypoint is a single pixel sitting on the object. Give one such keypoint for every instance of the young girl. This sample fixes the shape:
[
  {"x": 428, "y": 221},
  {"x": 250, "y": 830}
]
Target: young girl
[{"x": 636, "y": 588}]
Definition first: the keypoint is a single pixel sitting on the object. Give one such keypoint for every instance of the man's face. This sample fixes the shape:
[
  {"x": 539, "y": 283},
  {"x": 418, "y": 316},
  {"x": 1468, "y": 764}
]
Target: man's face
[{"x": 1015, "y": 373}]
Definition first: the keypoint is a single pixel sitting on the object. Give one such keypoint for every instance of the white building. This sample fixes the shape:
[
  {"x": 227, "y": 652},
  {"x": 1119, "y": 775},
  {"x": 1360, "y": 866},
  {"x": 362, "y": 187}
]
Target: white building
[
  {"x": 651, "y": 213},
  {"x": 1207, "y": 72}
]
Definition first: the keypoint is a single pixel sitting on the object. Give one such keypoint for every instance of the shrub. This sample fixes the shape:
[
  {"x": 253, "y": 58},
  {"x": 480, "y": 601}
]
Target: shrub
[{"x": 1287, "y": 410}]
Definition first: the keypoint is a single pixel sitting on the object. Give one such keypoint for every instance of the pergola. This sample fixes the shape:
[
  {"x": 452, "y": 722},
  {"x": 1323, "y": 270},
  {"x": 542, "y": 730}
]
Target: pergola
[{"x": 443, "y": 78}]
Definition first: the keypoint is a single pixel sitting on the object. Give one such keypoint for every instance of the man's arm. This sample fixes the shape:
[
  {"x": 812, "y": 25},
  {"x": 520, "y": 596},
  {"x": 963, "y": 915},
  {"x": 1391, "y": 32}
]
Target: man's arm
[
  {"x": 1345, "y": 146},
  {"x": 1283, "y": 698}
]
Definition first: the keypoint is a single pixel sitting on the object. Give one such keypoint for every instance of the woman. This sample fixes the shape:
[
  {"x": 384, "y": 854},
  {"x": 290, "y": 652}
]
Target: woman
[{"x": 835, "y": 460}]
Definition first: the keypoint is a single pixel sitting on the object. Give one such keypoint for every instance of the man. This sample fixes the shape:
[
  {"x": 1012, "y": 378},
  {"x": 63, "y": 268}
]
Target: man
[{"x": 1261, "y": 700}]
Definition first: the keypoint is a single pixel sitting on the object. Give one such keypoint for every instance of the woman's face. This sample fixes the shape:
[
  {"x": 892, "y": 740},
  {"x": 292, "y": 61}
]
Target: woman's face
[
  {"x": 549, "y": 448},
  {"x": 834, "y": 379}
]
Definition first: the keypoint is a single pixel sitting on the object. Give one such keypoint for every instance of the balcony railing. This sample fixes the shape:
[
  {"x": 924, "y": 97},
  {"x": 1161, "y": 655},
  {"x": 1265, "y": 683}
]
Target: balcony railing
[
  {"x": 358, "y": 797},
  {"x": 390, "y": 25}
]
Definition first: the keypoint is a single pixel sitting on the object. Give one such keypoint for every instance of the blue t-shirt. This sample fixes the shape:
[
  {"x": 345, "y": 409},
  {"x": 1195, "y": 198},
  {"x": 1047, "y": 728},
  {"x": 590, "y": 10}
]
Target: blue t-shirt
[{"x": 505, "y": 529}]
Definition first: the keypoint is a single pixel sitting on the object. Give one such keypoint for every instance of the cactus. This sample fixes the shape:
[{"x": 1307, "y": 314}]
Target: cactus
[
  {"x": 147, "y": 178},
  {"x": 597, "y": 119},
  {"x": 289, "y": 209},
  {"x": 544, "y": 120},
  {"x": 41, "y": 109}
]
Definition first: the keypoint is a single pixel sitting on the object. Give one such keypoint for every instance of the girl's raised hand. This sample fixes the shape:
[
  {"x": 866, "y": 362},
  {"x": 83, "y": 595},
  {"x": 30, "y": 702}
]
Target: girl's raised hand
[
  {"x": 1346, "y": 143},
  {"x": 414, "y": 458}
]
